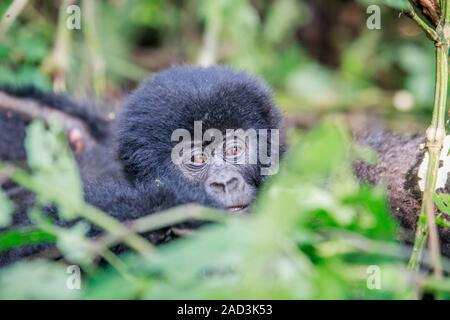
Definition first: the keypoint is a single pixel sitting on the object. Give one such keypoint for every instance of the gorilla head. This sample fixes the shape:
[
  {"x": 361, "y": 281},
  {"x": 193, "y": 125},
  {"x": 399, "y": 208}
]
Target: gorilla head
[{"x": 177, "y": 133}]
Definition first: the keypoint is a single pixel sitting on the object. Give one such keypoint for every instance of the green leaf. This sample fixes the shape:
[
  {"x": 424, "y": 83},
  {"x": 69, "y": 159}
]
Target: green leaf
[
  {"x": 17, "y": 237},
  {"x": 29, "y": 75},
  {"x": 33, "y": 47},
  {"x": 324, "y": 150},
  {"x": 8, "y": 75},
  {"x": 55, "y": 176},
  {"x": 373, "y": 218},
  {"x": 442, "y": 222},
  {"x": 442, "y": 201},
  {"x": 73, "y": 244},
  {"x": 4, "y": 52}
]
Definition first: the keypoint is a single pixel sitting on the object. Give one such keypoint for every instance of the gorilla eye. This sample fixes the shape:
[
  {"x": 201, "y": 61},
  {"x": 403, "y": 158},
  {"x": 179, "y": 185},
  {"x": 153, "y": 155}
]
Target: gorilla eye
[
  {"x": 198, "y": 159},
  {"x": 234, "y": 151}
]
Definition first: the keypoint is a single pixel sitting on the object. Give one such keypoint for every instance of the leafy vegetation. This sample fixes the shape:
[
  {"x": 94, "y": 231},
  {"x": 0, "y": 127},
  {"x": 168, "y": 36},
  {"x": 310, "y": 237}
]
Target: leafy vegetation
[
  {"x": 342, "y": 65},
  {"x": 316, "y": 233}
]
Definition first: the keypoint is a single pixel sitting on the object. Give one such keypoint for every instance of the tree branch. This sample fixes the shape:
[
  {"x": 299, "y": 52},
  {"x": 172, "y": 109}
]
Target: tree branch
[
  {"x": 32, "y": 110},
  {"x": 13, "y": 11},
  {"x": 424, "y": 25}
]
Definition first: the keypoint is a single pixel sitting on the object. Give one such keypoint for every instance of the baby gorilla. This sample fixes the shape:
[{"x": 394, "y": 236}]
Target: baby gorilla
[
  {"x": 147, "y": 176},
  {"x": 200, "y": 106}
]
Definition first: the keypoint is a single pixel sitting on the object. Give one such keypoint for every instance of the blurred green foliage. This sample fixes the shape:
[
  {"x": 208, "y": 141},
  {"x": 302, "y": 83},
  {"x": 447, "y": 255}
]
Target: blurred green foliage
[
  {"x": 316, "y": 233},
  {"x": 21, "y": 53},
  {"x": 318, "y": 58}
]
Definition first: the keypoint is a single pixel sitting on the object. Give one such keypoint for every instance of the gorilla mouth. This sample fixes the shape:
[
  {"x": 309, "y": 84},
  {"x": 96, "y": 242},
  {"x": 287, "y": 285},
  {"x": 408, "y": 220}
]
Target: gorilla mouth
[{"x": 238, "y": 208}]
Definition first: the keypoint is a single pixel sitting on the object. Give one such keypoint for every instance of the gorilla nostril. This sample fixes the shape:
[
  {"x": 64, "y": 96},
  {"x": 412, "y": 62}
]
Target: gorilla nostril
[
  {"x": 224, "y": 184},
  {"x": 217, "y": 187},
  {"x": 232, "y": 184}
]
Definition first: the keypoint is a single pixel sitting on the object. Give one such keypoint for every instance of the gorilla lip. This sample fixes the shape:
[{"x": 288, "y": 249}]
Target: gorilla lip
[{"x": 237, "y": 208}]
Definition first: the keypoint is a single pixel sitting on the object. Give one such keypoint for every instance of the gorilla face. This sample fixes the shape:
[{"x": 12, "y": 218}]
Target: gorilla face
[
  {"x": 222, "y": 171},
  {"x": 160, "y": 118}
]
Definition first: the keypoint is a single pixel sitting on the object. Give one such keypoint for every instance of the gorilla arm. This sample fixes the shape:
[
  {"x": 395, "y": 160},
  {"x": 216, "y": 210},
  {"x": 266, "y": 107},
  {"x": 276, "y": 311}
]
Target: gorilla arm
[{"x": 19, "y": 106}]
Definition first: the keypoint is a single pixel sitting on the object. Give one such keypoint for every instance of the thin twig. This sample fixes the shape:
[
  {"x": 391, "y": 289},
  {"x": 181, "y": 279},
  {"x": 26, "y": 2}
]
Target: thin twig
[
  {"x": 434, "y": 240},
  {"x": 158, "y": 221},
  {"x": 33, "y": 110},
  {"x": 430, "y": 9},
  {"x": 115, "y": 228},
  {"x": 57, "y": 63},
  {"x": 396, "y": 250},
  {"x": 95, "y": 54},
  {"x": 13, "y": 11},
  {"x": 428, "y": 29}
]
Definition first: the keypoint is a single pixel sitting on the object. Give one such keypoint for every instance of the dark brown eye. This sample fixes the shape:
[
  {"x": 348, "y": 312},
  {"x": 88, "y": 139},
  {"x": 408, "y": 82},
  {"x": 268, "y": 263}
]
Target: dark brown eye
[
  {"x": 198, "y": 159},
  {"x": 234, "y": 151}
]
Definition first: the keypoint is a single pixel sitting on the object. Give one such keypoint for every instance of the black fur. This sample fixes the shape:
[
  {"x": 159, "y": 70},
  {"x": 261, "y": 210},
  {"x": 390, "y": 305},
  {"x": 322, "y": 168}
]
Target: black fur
[
  {"x": 399, "y": 157},
  {"x": 218, "y": 96},
  {"x": 12, "y": 136},
  {"x": 144, "y": 180}
]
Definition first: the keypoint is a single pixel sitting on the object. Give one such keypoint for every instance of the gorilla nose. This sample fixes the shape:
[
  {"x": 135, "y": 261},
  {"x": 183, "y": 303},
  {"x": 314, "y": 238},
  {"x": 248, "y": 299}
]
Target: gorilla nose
[{"x": 224, "y": 184}]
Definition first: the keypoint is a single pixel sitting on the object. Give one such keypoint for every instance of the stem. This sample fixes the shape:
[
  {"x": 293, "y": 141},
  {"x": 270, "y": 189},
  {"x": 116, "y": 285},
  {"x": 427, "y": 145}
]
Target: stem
[
  {"x": 38, "y": 219},
  {"x": 424, "y": 25},
  {"x": 435, "y": 135},
  {"x": 158, "y": 221},
  {"x": 57, "y": 64},
  {"x": 445, "y": 11},
  {"x": 13, "y": 11},
  {"x": 113, "y": 226},
  {"x": 119, "y": 265},
  {"x": 93, "y": 44}
]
